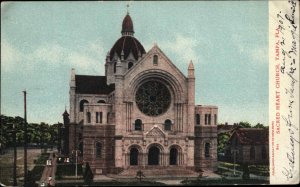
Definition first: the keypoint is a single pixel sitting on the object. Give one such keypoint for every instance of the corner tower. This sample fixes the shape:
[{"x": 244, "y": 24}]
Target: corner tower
[{"x": 127, "y": 48}]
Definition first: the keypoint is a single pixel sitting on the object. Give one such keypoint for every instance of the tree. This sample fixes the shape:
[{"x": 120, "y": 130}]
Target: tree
[
  {"x": 37, "y": 133},
  {"x": 259, "y": 125},
  {"x": 244, "y": 124},
  {"x": 222, "y": 141}
]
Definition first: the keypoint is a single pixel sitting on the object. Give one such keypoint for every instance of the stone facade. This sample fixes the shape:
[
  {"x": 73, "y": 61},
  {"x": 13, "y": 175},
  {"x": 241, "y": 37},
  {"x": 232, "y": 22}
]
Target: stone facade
[{"x": 141, "y": 114}]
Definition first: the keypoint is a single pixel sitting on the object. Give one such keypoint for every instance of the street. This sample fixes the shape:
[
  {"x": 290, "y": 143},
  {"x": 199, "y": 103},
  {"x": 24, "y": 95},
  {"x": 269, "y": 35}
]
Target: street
[{"x": 48, "y": 177}]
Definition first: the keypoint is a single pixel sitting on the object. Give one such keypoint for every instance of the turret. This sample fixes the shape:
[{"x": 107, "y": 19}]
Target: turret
[
  {"x": 72, "y": 96},
  {"x": 66, "y": 117},
  {"x": 191, "y": 98},
  {"x": 191, "y": 70}
]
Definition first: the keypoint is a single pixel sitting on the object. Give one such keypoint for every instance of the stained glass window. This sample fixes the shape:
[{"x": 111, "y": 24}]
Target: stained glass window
[{"x": 153, "y": 98}]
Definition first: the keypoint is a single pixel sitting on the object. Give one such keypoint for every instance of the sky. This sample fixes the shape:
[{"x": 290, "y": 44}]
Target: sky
[{"x": 227, "y": 42}]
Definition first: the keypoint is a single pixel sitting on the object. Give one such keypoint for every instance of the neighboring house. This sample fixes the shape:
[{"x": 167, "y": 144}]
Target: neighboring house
[
  {"x": 249, "y": 146},
  {"x": 227, "y": 128},
  {"x": 140, "y": 114}
]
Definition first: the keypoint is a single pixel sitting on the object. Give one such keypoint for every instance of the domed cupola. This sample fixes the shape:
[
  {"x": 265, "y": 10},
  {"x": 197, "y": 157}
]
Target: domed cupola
[
  {"x": 127, "y": 43},
  {"x": 127, "y": 26}
]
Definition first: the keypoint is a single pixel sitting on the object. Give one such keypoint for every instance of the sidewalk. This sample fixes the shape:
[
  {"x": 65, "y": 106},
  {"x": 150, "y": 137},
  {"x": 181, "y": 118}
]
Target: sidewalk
[{"x": 49, "y": 171}]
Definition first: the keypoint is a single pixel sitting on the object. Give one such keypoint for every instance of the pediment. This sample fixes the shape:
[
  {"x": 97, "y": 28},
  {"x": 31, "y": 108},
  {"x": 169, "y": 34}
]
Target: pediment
[
  {"x": 155, "y": 132},
  {"x": 145, "y": 63}
]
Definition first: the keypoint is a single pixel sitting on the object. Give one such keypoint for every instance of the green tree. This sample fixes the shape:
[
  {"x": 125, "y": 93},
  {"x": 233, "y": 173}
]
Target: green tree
[
  {"x": 244, "y": 124},
  {"x": 259, "y": 125},
  {"x": 37, "y": 133},
  {"x": 222, "y": 141}
]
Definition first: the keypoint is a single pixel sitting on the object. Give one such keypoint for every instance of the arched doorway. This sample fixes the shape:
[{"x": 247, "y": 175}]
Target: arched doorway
[
  {"x": 153, "y": 156},
  {"x": 173, "y": 156},
  {"x": 134, "y": 156}
]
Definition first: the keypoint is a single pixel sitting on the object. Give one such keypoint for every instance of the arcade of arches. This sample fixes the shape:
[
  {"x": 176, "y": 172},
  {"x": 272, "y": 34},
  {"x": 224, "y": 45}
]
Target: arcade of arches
[{"x": 155, "y": 155}]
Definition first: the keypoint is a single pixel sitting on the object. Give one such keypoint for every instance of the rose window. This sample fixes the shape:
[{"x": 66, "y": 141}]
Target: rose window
[{"x": 153, "y": 98}]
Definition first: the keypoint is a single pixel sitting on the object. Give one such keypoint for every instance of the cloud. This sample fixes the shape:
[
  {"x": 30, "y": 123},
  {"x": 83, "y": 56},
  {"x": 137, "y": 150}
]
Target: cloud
[
  {"x": 183, "y": 47},
  {"x": 89, "y": 60},
  {"x": 82, "y": 62},
  {"x": 260, "y": 55},
  {"x": 250, "y": 49},
  {"x": 9, "y": 56},
  {"x": 50, "y": 53}
]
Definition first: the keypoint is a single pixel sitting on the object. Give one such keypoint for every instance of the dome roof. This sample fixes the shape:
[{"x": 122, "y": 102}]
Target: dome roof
[
  {"x": 127, "y": 44},
  {"x": 127, "y": 25}
]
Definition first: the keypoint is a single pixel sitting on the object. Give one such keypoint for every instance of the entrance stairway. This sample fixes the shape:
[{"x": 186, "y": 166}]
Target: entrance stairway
[{"x": 159, "y": 172}]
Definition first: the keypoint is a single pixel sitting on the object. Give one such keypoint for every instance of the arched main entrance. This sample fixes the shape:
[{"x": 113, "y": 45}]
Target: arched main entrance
[
  {"x": 153, "y": 156},
  {"x": 134, "y": 156},
  {"x": 173, "y": 156}
]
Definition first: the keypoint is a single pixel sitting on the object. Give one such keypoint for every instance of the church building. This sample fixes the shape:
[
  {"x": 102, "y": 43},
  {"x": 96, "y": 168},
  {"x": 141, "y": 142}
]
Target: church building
[{"x": 140, "y": 115}]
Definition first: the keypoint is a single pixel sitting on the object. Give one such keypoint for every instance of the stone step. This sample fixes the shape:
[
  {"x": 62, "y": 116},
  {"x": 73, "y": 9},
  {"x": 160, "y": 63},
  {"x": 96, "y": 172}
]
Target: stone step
[{"x": 175, "y": 172}]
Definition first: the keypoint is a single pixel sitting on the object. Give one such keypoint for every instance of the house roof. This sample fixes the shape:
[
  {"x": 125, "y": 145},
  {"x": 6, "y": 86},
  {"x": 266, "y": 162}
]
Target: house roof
[
  {"x": 226, "y": 127},
  {"x": 86, "y": 84},
  {"x": 251, "y": 136}
]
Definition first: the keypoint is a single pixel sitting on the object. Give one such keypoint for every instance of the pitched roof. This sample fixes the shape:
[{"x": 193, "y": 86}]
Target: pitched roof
[
  {"x": 252, "y": 136},
  {"x": 86, "y": 84},
  {"x": 226, "y": 127}
]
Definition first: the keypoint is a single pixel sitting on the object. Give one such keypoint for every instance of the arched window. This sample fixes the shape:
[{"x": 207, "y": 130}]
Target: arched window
[
  {"x": 216, "y": 119},
  {"x": 130, "y": 64},
  {"x": 252, "y": 153},
  {"x": 107, "y": 118},
  {"x": 264, "y": 153},
  {"x": 82, "y": 102},
  {"x": 115, "y": 67},
  {"x": 207, "y": 147},
  {"x": 138, "y": 125},
  {"x": 88, "y": 116},
  {"x": 168, "y": 124},
  {"x": 198, "y": 119},
  {"x": 207, "y": 119},
  {"x": 98, "y": 117},
  {"x": 101, "y": 101},
  {"x": 155, "y": 60},
  {"x": 98, "y": 150}
]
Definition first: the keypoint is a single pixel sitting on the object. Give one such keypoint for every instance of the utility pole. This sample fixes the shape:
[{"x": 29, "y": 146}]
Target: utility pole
[
  {"x": 76, "y": 163},
  {"x": 25, "y": 141},
  {"x": 15, "y": 156},
  {"x": 13, "y": 133},
  {"x": 76, "y": 160}
]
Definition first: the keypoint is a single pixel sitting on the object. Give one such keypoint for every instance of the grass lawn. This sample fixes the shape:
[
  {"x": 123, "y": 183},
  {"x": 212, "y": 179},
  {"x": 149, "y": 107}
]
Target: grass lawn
[
  {"x": 6, "y": 164},
  {"x": 222, "y": 182},
  {"x": 37, "y": 171},
  {"x": 261, "y": 170}
]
